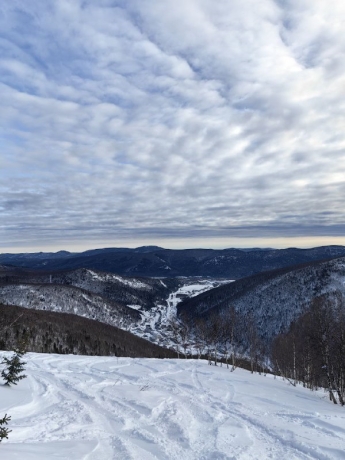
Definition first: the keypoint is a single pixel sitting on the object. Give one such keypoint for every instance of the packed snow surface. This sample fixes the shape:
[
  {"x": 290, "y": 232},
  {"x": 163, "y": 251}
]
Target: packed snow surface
[{"x": 102, "y": 408}]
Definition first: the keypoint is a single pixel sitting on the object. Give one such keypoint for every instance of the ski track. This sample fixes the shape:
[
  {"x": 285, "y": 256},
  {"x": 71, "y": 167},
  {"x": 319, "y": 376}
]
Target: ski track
[{"x": 101, "y": 408}]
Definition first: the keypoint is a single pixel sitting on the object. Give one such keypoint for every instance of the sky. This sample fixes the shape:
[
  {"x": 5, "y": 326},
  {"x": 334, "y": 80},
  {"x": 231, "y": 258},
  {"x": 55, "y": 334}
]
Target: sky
[{"x": 176, "y": 123}]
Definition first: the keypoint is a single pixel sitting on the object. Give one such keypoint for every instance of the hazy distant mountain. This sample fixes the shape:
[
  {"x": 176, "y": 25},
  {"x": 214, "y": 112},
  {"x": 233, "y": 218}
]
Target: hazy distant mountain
[
  {"x": 272, "y": 299},
  {"x": 158, "y": 262}
]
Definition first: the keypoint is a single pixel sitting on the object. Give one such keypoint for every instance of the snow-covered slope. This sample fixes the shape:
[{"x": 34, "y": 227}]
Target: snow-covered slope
[
  {"x": 96, "y": 408},
  {"x": 106, "y": 297},
  {"x": 272, "y": 299},
  {"x": 145, "y": 292},
  {"x": 67, "y": 299}
]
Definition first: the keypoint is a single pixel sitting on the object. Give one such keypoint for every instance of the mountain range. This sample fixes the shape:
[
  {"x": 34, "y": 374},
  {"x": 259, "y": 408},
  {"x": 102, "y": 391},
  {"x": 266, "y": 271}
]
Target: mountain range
[{"x": 153, "y": 261}]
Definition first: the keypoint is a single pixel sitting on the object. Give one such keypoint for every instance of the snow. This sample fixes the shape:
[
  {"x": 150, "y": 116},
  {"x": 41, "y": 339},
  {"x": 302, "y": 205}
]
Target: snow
[
  {"x": 154, "y": 324},
  {"x": 80, "y": 407},
  {"x": 132, "y": 282},
  {"x": 135, "y": 307}
]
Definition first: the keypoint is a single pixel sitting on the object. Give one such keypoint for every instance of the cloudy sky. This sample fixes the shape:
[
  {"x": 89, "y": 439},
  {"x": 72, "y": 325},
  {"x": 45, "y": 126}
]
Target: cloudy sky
[{"x": 182, "y": 123}]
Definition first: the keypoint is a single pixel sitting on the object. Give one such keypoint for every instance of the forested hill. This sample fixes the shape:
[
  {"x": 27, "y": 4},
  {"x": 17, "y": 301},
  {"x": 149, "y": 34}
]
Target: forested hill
[
  {"x": 51, "y": 332},
  {"x": 159, "y": 262},
  {"x": 119, "y": 289},
  {"x": 273, "y": 299}
]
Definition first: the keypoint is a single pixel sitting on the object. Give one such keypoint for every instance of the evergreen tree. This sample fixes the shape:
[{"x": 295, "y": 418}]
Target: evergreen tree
[
  {"x": 4, "y": 431},
  {"x": 14, "y": 366}
]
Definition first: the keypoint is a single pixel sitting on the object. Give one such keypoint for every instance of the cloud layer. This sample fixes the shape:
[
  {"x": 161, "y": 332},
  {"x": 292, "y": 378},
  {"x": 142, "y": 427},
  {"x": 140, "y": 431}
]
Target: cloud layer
[{"x": 166, "y": 119}]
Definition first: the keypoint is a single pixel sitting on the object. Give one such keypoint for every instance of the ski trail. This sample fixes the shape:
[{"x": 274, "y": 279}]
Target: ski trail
[
  {"x": 91, "y": 408},
  {"x": 264, "y": 438}
]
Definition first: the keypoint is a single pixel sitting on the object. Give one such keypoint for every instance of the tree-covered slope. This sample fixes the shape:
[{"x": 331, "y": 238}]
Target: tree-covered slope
[
  {"x": 273, "y": 299},
  {"x": 51, "y": 332},
  {"x": 123, "y": 290}
]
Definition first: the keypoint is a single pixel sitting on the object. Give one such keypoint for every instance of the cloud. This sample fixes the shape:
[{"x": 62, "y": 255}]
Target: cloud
[{"x": 170, "y": 120}]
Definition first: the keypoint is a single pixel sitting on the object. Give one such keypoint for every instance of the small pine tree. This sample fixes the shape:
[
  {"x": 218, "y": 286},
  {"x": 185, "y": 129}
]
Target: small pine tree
[
  {"x": 14, "y": 367},
  {"x": 4, "y": 431}
]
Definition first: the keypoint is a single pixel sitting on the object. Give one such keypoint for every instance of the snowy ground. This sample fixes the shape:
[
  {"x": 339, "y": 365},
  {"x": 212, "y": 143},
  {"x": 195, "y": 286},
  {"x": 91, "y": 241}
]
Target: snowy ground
[
  {"x": 97, "y": 408},
  {"x": 154, "y": 324}
]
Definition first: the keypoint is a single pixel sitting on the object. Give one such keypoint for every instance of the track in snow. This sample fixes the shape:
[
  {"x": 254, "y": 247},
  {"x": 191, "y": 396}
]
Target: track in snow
[{"x": 92, "y": 408}]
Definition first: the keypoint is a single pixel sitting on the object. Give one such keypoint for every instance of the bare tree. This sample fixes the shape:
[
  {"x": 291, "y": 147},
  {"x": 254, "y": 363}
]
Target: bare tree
[
  {"x": 312, "y": 351},
  {"x": 253, "y": 343},
  {"x": 184, "y": 334},
  {"x": 175, "y": 327},
  {"x": 200, "y": 335},
  {"x": 234, "y": 337},
  {"x": 215, "y": 332}
]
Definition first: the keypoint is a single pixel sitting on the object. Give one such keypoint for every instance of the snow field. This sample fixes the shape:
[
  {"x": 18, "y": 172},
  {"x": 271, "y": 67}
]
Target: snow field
[{"x": 104, "y": 408}]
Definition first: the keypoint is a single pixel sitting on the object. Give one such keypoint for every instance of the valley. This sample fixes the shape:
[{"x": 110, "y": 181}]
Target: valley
[
  {"x": 126, "y": 403},
  {"x": 108, "y": 298},
  {"x": 146, "y": 307},
  {"x": 155, "y": 323}
]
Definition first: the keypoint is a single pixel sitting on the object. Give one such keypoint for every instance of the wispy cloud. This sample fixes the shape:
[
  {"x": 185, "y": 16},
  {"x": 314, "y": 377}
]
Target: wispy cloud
[{"x": 149, "y": 118}]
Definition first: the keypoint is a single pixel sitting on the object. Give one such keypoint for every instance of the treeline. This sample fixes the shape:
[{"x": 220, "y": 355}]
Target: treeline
[
  {"x": 51, "y": 332},
  {"x": 227, "y": 337},
  {"x": 313, "y": 350}
]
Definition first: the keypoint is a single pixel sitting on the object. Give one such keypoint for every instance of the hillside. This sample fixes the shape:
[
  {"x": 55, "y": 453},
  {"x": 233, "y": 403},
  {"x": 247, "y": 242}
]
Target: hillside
[
  {"x": 142, "y": 305},
  {"x": 146, "y": 307},
  {"x": 67, "y": 299},
  {"x": 92, "y": 408},
  {"x": 272, "y": 299},
  {"x": 122, "y": 290},
  {"x": 158, "y": 262},
  {"x": 51, "y": 332}
]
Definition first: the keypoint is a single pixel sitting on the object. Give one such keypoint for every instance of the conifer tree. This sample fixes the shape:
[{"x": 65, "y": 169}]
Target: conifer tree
[
  {"x": 14, "y": 368},
  {"x": 4, "y": 431}
]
